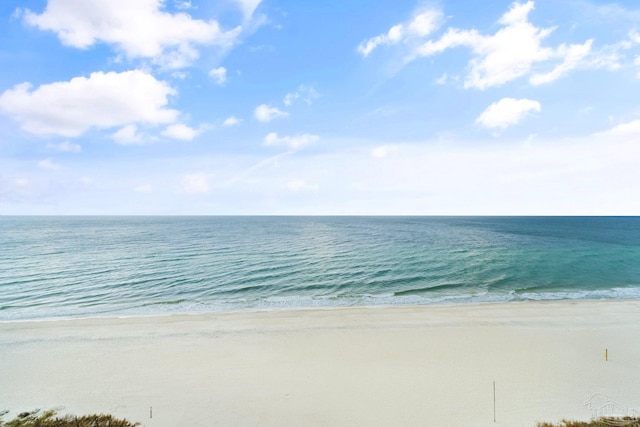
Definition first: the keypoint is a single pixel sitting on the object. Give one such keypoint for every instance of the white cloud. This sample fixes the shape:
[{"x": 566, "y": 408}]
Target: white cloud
[
  {"x": 501, "y": 57},
  {"x": 297, "y": 185},
  {"x": 383, "y": 151},
  {"x": 128, "y": 135},
  {"x": 248, "y": 7},
  {"x": 293, "y": 142},
  {"x": 265, "y": 113},
  {"x": 304, "y": 93},
  {"x": 219, "y": 75},
  {"x": 573, "y": 55},
  {"x": 421, "y": 25},
  {"x": 180, "y": 57},
  {"x": 139, "y": 28},
  {"x": 180, "y": 131},
  {"x": 66, "y": 147},
  {"x": 511, "y": 52},
  {"x": 48, "y": 164},
  {"x": 103, "y": 100},
  {"x": 231, "y": 121},
  {"x": 195, "y": 183},
  {"x": 624, "y": 130},
  {"x": 507, "y": 112}
]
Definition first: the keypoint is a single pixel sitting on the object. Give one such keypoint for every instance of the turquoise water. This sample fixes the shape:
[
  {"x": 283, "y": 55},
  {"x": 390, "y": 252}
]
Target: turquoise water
[{"x": 103, "y": 266}]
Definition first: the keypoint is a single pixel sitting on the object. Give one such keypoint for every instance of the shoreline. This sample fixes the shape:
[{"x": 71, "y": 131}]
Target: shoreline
[
  {"x": 402, "y": 365},
  {"x": 304, "y": 309}
]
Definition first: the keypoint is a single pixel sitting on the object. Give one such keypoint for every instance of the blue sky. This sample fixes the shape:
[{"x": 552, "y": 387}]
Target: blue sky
[{"x": 288, "y": 107}]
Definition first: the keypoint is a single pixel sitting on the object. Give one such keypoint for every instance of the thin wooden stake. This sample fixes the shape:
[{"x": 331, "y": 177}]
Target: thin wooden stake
[
  {"x": 494, "y": 401},
  {"x": 150, "y": 411},
  {"x": 606, "y": 354}
]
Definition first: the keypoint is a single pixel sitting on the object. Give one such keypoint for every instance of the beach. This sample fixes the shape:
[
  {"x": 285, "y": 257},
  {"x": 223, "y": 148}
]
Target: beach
[{"x": 412, "y": 366}]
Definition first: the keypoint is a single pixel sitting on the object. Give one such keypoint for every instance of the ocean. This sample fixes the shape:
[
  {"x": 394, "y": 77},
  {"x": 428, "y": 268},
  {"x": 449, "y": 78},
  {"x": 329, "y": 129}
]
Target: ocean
[{"x": 69, "y": 267}]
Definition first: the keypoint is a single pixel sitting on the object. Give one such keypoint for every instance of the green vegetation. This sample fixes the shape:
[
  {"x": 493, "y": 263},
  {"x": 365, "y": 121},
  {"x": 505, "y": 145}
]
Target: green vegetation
[
  {"x": 600, "y": 422},
  {"x": 50, "y": 419}
]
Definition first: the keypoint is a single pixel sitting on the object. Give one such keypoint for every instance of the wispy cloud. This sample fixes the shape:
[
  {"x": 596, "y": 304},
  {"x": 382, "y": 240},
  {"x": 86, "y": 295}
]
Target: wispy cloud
[
  {"x": 66, "y": 147},
  {"x": 421, "y": 24},
  {"x": 48, "y": 164},
  {"x": 293, "y": 142},
  {"x": 304, "y": 93}
]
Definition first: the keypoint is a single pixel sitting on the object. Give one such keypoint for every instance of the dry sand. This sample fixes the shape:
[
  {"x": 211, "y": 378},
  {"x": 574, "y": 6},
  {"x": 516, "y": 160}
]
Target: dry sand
[{"x": 397, "y": 366}]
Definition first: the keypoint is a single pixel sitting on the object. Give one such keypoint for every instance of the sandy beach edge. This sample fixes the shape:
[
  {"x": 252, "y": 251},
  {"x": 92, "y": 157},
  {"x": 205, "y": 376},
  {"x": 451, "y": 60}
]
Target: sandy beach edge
[{"x": 401, "y": 365}]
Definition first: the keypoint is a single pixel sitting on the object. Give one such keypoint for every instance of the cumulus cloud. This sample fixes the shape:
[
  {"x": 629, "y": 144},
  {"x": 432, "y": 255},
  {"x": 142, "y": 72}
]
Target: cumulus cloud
[
  {"x": 507, "y": 112},
  {"x": 421, "y": 25},
  {"x": 231, "y": 121},
  {"x": 509, "y": 53},
  {"x": 66, "y": 147},
  {"x": 180, "y": 131},
  {"x": 195, "y": 183},
  {"x": 139, "y": 29},
  {"x": 219, "y": 75},
  {"x": 501, "y": 57},
  {"x": 265, "y": 113},
  {"x": 102, "y": 100},
  {"x": 293, "y": 142}
]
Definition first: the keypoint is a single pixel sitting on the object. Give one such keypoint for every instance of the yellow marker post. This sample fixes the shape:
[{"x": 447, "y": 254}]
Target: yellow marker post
[{"x": 606, "y": 354}]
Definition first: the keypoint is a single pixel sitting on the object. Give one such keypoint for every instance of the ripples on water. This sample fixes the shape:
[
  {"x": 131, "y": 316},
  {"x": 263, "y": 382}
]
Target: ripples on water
[{"x": 88, "y": 266}]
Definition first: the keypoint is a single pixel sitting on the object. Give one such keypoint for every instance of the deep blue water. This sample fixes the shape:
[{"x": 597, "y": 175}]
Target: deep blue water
[{"x": 102, "y": 266}]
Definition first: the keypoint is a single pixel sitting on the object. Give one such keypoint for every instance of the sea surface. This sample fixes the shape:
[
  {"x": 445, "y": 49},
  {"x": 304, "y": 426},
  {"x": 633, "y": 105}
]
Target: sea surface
[{"x": 52, "y": 267}]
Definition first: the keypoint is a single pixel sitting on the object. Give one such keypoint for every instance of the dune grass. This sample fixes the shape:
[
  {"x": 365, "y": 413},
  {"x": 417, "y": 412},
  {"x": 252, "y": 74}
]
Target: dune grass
[
  {"x": 51, "y": 419},
  {"x": 600, "y": 422}
]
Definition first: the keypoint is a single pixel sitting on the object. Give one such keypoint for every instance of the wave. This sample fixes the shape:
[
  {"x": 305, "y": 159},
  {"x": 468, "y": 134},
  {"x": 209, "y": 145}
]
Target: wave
[{"x": 86, "y": 266}]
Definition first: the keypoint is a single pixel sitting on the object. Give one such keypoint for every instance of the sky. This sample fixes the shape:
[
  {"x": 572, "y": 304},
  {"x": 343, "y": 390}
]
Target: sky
[{"x": 285, "y": 107}]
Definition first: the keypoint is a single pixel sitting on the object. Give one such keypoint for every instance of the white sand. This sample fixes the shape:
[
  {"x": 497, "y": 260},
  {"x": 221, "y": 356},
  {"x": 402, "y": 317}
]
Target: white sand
[{"x": 401, "y": 366}]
